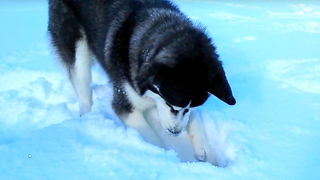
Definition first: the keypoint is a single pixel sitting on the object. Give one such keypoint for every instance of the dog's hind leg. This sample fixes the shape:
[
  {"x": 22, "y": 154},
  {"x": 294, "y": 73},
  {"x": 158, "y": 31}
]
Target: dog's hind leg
[
  {"x": 81, "y": 76},
  {"x": 71, "y": 46}
]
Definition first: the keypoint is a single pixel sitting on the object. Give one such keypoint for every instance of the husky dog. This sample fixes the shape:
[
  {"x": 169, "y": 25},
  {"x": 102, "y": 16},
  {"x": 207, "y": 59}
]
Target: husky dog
[{"x": 156, "y": 59}]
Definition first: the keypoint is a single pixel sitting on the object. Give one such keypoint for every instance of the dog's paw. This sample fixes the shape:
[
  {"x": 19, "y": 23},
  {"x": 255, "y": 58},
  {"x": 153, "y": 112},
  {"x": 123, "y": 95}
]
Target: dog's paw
[{"x": 200, "y": 154}]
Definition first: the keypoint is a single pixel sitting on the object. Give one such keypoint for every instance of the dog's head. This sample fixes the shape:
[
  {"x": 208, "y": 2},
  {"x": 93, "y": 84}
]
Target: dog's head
[{"x": 181, "y": 76}]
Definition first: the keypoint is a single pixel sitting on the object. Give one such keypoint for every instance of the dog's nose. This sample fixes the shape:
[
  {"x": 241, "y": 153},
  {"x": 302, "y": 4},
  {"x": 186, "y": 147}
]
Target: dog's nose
[{"x": 174, "y": 131}]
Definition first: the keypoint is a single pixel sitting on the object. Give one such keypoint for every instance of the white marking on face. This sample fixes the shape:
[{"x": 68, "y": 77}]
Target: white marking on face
[
  {"x": 169, "y": 120},
  {"x": 157, "y": 88},
  {"x": 181, "y": 108}
]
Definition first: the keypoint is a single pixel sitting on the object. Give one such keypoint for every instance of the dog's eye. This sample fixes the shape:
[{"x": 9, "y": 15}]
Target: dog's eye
[
  {"x": 175, "y": 112},
  {"x": 185, "y": 111}
]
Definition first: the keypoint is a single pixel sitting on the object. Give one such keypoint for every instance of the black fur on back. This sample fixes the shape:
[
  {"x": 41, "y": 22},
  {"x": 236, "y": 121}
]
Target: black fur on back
[{"x": 143, "y": 43}]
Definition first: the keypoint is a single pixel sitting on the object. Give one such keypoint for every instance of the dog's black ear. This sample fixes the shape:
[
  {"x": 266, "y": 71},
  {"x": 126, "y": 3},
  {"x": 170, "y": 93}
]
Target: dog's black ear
[{"x": 219, "y": 86}]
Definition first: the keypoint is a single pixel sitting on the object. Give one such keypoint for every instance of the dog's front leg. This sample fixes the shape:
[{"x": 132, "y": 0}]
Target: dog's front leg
[
  {"x": 198, "y": 138},
  {"x": 137, "y": 121}
]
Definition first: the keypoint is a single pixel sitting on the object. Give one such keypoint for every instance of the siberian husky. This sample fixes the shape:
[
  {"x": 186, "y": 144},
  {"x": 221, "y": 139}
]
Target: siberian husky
[{"x": 158, "y": 61}]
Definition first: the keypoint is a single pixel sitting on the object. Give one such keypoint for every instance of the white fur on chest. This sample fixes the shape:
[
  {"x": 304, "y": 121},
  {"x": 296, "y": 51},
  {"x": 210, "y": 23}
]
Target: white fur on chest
[{"x": 141, "y": 103}]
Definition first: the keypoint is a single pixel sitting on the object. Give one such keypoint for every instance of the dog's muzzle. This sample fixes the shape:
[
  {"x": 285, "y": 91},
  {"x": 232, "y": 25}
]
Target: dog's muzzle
[{"x": 174, "y": 132}]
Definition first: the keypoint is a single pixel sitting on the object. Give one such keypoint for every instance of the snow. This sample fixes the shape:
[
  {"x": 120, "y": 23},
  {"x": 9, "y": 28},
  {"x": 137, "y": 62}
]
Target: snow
[{"x": 271, "y": 57}]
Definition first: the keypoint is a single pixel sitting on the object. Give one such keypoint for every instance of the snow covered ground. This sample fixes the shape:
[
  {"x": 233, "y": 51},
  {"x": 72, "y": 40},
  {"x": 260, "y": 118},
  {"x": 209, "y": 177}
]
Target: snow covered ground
[{"x": 271, "y": 56}]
